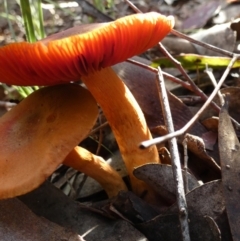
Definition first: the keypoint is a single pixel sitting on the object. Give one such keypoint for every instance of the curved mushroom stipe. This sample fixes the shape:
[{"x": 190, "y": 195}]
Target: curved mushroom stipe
[
  {"x": 50, "y": 62},
  {"x": 38, "y": 134},
  {"x": 97, "y": 168},
  {"x": 126, "y": 121}
]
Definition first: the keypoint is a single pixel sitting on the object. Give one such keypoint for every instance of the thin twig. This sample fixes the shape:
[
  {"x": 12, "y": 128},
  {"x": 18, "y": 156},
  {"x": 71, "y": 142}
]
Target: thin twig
[
  {"x": 134, "y": 8},
  {"x": 146, "y": 144},
  {"x": 185, "y": 167},
  {"x": 205, "y": 45},
  {"x": 176, "y": 166},
  {"x": 220, "y": 96},
  {"x": 100, "y": 139},
  {"x": 194, "y": 87},
  {"x": 168, "y": 76},
  {"x": 209, "y": 72},
  {"x": 98, "y": 128}
]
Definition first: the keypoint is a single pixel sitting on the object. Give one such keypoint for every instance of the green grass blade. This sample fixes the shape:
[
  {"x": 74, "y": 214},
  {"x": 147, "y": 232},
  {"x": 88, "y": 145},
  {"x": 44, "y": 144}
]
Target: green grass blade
[
  {"x": 27, "y": 18},
  {"x": 24, "y": 91},
  {"x": 40, "y": 18}
]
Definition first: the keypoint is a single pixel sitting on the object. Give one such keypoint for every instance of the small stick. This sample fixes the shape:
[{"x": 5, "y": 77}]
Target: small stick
[
  {"x": 146, "y": 144},
  {"x": 220, "y": 96},
  {"x": 209, "y": 72},
  {"x": 205, "y": 45},
  {"x": 185, "y": 168},
  {"x": 100, "y": 140},
  {"x": 176, "y": 167},
  {"x": 168, "y": 76},
  {"x": 194, "y": 87},
  {"x": 98, "y": 128},
  {"x": 134, "y": 8}
]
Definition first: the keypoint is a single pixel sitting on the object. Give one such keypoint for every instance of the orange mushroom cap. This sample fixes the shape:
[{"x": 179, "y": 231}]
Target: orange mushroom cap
[
  {"x": 67, "y": 59},
  {"x": 38, "y": 133}
]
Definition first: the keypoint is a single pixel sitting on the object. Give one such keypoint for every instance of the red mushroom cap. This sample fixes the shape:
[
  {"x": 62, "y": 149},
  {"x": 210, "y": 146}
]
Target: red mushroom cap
[{"x": 69, "y": 58}]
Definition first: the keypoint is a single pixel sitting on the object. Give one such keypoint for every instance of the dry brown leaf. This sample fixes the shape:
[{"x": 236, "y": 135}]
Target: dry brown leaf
[
  {"x": 19, "y": 223},
  {"x": 229, "y": 149},
  {"x": 206, "y": 200},
  {"x": 51, "y": 203}
]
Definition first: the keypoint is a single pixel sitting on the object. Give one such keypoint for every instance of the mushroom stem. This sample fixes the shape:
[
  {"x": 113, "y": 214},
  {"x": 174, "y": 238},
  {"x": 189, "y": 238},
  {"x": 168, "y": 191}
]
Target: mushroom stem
[
  {"x": 97, "y": 168},
  {"x": 126, "y": 120}
]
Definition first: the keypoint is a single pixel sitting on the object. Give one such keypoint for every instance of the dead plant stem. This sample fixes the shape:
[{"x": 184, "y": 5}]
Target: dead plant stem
[
  {"x": 209, "y": 72},
  {"x": 194, "y": 87},
  {"x": 168, "y": 76},
  {"x": 205, "y": 45},
  {"x": 176, "y": 166}
]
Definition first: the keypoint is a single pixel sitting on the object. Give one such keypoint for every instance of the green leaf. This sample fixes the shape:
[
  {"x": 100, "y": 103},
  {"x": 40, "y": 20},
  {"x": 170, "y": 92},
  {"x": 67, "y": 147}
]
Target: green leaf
[{"x": 194, "y": 62}]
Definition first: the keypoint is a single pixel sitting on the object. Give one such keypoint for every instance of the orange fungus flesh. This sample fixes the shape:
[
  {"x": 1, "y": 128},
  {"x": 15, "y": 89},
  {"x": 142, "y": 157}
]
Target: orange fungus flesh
[{"x": 67, "y": 59}]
